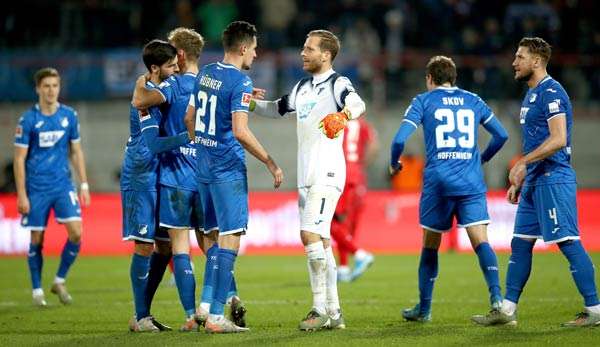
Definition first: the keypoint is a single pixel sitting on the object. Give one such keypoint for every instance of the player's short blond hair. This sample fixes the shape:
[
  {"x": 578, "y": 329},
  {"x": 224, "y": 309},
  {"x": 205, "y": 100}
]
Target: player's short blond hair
[
  {"x": 329, "y": 42},
  {"x": 441, "y": 69},
  {"x": 43, "y": 73},
  {"x": 537, "y": 45},
  {"x": 190, "y": 41}
]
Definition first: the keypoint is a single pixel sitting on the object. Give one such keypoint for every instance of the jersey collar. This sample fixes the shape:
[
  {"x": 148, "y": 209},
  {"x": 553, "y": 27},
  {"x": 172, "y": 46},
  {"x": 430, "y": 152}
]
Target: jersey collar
[
  {"x": 316, "y": 79},
  {"x": 447, "y": 88},
  {"x": 544, "y": 80},
  {"x": 226, "y": 66}
]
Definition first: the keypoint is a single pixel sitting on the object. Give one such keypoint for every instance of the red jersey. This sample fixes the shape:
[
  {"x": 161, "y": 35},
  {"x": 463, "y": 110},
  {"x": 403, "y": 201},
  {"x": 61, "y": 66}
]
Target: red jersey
[{"x": 357, "y": 136}]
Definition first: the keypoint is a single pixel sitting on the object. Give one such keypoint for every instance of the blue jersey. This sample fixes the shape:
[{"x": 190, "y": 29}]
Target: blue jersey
[
  {"x": 47, "y": 139},
  {"x": 450, "y": 119},
  {"x": 541, "y": 103},
  {"x": 140, "y": 166},
  {"x": 220, "y": 90},
  {"x": 178, "y": 166}
]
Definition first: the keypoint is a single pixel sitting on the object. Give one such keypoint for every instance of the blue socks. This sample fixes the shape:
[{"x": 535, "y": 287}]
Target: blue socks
[
  {"x": 582, "y": 270},
  {"x": 489, "y": 267},
  {"x": 232, "y": 289},
  {"x": 519, "y": 268},
  {"x": 186, "y": 282},
  {"x": 69, "y": 253},
  {"x": 35, "y": 261},
  {"x": 428, "y": 271},
  {"x": 224, "y": 275},
  {"x": 210, "y": 272},
  {"x": 158, "y": 265},
  {"x": 139, "y": 279}
]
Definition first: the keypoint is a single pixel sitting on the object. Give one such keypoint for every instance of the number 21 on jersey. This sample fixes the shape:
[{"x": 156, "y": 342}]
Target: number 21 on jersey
[
  {"x": 204, "y": 99},
  {"x": 463, "y": 121}
]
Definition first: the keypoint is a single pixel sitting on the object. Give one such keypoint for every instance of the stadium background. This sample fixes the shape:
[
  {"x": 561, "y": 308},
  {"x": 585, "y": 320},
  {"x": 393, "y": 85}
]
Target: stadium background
[{"x": 385, "y": 45}]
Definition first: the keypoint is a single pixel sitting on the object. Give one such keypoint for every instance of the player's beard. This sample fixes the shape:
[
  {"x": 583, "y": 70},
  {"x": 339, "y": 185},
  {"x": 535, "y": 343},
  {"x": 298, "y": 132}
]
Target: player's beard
[
  {"x": 525, "y": 77},
  {"x": 312, "y": 66}
]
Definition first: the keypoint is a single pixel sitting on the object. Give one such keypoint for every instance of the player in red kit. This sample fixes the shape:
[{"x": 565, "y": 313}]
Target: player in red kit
[{"x": 360, "y": 146}]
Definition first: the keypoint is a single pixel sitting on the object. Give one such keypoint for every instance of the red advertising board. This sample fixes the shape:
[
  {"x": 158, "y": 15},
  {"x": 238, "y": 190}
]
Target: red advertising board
[{"x": 389, "y": 225}]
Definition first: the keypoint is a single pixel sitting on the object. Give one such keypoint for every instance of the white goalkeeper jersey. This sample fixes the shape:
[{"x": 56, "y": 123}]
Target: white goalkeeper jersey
[{"x": 320, "y": 159}]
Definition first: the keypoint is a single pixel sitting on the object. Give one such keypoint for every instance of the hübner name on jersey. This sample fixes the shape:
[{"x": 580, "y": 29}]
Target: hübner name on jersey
[
  {"x": 206, "y": 142},
  {"x": 455, "y": 155},
  {"x": 187, "y": 151},
  {"x": 455, "y": 101},
  {"x": 210, "y": 83}
]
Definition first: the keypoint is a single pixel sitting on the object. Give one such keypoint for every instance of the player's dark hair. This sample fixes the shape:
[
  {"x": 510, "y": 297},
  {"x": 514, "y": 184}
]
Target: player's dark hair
[
  {"x": 188, "y": 40},
  {"x": 329, "y": 42},
  {"x": 537, "y": 45},
  {"x": 442, "y": 69},
  {"x": 237, "y": 33},
  {"x": 158, "y": 52},
  {"x": 43, "y": 73}
]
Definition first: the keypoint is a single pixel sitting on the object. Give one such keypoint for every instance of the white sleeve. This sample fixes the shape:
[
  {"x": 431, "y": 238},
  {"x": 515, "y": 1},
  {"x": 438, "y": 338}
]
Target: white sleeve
[
  {"x": 265, "y": 108},
  {"x": 347, "y": 97}
]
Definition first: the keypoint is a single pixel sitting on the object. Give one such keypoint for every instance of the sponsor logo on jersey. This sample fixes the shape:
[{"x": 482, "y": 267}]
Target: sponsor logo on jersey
[
  {"x": 144, "y": 115},
  {"x": 50, "y": 138},
  {"x": 554, "y": 106},
  {"x": 39, "y": 124},
  {"x": 64, "y": 122},
  {"x": 246, "y": 99},
  {"x": 19, "y": 132},
  {"x": 532, "y": 98},
  {"x": 523, "y": 114},
  {"x": 304, "y": 109}
]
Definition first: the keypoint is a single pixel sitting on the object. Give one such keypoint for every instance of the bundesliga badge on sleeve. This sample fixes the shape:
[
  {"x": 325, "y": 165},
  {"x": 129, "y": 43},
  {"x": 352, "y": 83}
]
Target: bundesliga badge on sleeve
[{"x": 333, "y": 124}]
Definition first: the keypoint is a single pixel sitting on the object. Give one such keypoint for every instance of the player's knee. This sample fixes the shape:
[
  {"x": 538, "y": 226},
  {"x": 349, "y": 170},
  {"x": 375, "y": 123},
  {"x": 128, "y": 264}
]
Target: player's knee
[
  {"x": 520, "y": 244},
  {"x": 143, "y": 248},
  {"x": 163, "y": 248},
  {"x": 37, "y": 237}
]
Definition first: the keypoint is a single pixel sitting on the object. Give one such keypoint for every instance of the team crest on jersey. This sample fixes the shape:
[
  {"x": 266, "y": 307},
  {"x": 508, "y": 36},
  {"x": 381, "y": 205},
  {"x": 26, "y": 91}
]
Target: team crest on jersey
[
  {"x": 532, "y": 98},
  {"x": 19, "y": 132},
  {"x": 50, "y": 138},
  {"x": 246, "y": 99},
  {"x": 64, "y": 122},
  {"x": 39, "y": 124},
  {"x": 144, "y": 115},
  {"x": 304, "y": 109},
  {"x": 523, "y": 114}
]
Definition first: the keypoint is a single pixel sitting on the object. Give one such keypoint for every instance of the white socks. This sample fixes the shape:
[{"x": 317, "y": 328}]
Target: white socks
[
  {"x": 360, "y": 254},
  {"x": 333, "y": 301},
  {"x": 593, "y": 309},
  {"x": 59, "y": 280},
  {"x": 317, "y": 271},
  {"x": 38, "y": 292},
  {"x": 508, "y": 307}
]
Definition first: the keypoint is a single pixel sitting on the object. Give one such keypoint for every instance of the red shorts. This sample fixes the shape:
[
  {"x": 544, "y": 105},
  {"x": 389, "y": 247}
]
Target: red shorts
[{"x": 350, "y": 206}]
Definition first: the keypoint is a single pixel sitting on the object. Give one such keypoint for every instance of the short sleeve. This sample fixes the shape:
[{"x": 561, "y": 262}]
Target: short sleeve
[
  {"x": 414, "y": 113},
  {"x": 74, "y": 134},
  {"x": 554, "y": 102},
  {"x": 23, "y": 132},
  {"x": 341, "y": 88},
  {"x": 241, "y": 95},
  {"x": 149, "y": 118},
  {"x": 485, "y": 112},
  {"x": 167, "y": 89}
]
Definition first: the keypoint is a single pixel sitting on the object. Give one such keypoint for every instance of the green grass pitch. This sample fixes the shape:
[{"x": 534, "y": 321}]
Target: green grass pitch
[{"x": 277, "y": 295}]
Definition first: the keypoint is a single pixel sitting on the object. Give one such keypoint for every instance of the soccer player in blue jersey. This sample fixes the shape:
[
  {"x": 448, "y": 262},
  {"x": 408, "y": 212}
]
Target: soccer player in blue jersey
[
  {"x": 545, "y": 182},
  {"x": 139, "y": 181},
  {"x": 453, "y": 184},
  {"x": 46, "y": 137},
  {"x": 218, "y": 119}
]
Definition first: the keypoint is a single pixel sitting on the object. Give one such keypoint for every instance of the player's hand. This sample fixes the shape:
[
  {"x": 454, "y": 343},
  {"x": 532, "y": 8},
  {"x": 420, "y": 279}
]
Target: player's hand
[
  {"x": 394, "y": 170},
  {"x": 516, "y": 176},
  {"x": 84, "y": 196},
  {"x": 276, "y": 172},
  {"x": 23, "y": 204},
  {"x": 258, "y": 93},
  {"x": 333, "y": 124},
  {"x": 512, "y": 195}
]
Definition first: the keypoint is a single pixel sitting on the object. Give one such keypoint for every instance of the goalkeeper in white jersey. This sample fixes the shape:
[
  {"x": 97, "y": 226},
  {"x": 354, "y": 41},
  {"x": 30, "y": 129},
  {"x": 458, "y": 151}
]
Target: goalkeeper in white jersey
[{"x": 322, "y": 103}]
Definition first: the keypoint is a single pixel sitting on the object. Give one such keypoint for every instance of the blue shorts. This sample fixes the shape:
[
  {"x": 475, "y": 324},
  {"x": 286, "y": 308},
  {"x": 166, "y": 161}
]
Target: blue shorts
[
  {"x": 180, "y": 208},
  {"x": 62, "y": 200},
  {"x": 139, "y": 217},
  {"x": 548, "y": 212},
  {"x": 436, "y": 212},
  {"x": 225, "y": 206}
]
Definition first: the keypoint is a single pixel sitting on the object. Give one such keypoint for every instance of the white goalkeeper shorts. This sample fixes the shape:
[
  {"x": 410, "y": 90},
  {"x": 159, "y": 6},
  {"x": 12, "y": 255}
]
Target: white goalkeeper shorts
[{"x": 317, "y": 205}]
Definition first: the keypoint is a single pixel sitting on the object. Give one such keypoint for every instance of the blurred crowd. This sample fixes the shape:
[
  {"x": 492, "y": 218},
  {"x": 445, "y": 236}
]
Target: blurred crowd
[{"x": 387, "y": 35}]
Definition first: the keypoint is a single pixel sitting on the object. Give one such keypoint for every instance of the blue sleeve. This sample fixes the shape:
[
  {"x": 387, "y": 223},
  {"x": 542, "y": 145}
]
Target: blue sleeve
[
  {"x": 74, "y": 130},
  {"x": 158, "y": 144},
  {"x": 23, "y": 132},
  {"x": 241, "y": 95},
  {"x": 406, "y": 129},
  {"x": 554, "y": 102},
  {"x": 167, "y": 89},
  {"x": 499, "y": 137}
]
